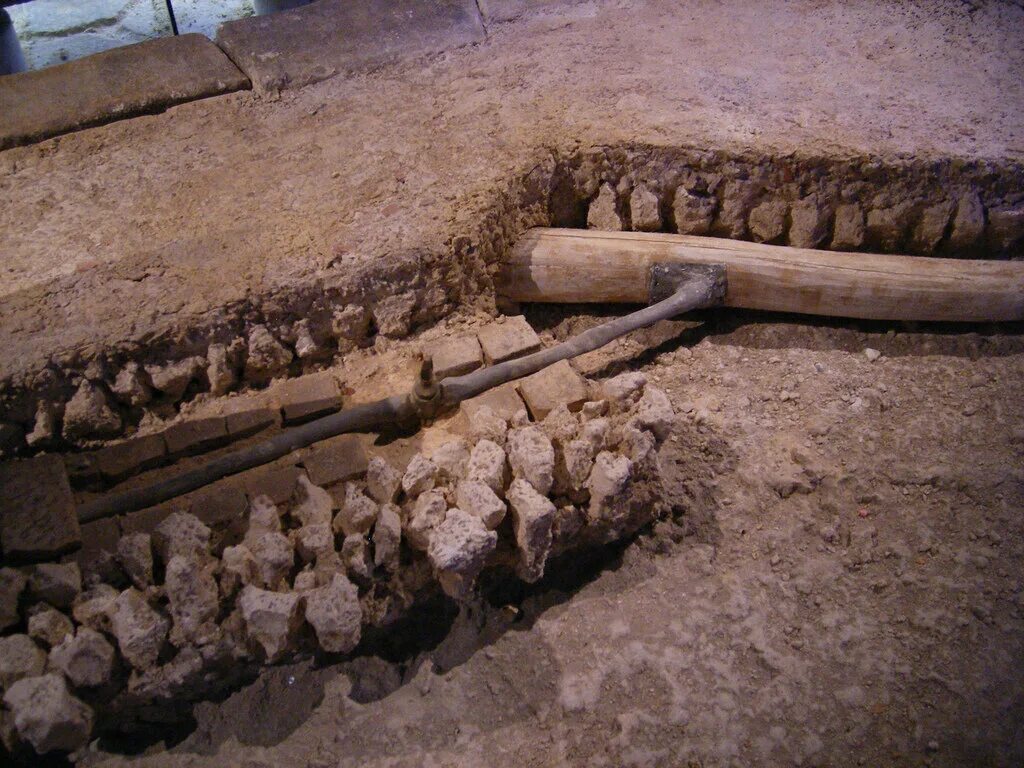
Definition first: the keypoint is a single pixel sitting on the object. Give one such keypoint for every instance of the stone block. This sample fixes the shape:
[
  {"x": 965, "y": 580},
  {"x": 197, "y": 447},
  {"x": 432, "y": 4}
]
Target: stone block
[
  {"x": 336, "y": 460},
  {"x": 504, "y": 401},
  {"x": 330, "y": 37},
  {"x": 551, "y": 387},
  {"x": 37, "y": 511},
  {"x": 116, "y": 462},
  {"x": 507, "y": 339},
  {"x": 454, "y": 357},
  {"x": 99, "y": 548},
  {"x": 276, "y": 482},
  {"x": 146, "y": 520},
  {"x": 196, "y": 435},
  {"x": 113, "y": 85},
  {"x": 219, "y": 505},
  {"x": 307, "y": 397},
  {"x": 249, "y": 422}
]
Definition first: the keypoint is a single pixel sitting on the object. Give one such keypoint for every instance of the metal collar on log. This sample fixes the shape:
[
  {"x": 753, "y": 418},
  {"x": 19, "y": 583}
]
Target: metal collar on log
[{"x": 687, "y": 287}]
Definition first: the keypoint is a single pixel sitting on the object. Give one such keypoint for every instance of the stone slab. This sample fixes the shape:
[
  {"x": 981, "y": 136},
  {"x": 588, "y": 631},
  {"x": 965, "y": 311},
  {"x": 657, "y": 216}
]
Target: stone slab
[
  {"x": 335, "y": 460},
  {"x": 547, "y": 389},
  {"x": 307, "y": 397},
  {"x": 118, "y": 461},
  {"x": 37, "y": 511},
  {"x": 508, "y": 338},
  {"x": 195, "y": 435},
  {"x": 146, "y": 520},
  {"x": 122, "y": 82},
  {"x": 276, "y": 482},
  {"x": 330, "y": 37},
  {"x": 99, "y": 548},
  {"x": 504, "y": 401},
  {"x": 454, "y": 357},
  {"x": 244, "y": 423}
]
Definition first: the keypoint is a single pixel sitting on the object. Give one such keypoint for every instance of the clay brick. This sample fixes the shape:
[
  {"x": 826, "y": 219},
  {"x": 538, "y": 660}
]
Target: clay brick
[
  {"x": 196, "y": 435},
  {"x": 549, "y": 388},
  {"x": 307, "y": 397},
  {"x": 456, "y": 356},
  {"x": 37, "y": 512},
  {"x": 250, "y": 422},
  {"x": 509, "y": 339},
  {"x": 277, "y": 482},
  {"x": 504, "y": 401},
  {"x": 335, "y": 460},
  {"x": 118, "y": 461}
]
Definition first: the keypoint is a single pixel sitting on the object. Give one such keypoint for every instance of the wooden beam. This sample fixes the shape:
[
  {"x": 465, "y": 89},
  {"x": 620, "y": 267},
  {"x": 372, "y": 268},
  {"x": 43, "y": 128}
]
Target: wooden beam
[{"x": 587, "y": 266}]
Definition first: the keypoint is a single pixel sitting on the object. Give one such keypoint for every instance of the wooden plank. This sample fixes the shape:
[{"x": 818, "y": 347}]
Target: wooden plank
[{"x": 586, "y": 266}]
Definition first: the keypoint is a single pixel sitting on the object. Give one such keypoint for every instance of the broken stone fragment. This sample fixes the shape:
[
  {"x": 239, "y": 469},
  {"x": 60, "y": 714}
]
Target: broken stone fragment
[
  {"x": 393, "y": 314},
  {"x": 848, "y": 230},
  {"x": 608, "y": 485},
  {"x": 624, "y": 389},
  {"x": 89, "y": 415},
  {"x": 595, "y": 432},
  {"x": 272, "y": 619},
  {"x": 334, "y": 612},
  {"x": 86, "y": 658},
  {"x": 264, "y": 517},
  {"x": 533, "y": 516},
  {"x": 573, "y": 462},
  {"x": 382, "y": 480},
  {"x": 173, "y": 379},
  {"x": 304, "y": 581},
  {"x": 350, "y": 325},
  {"x": 644, "y": 209},
  {"x": 809, "y": 219},
  {"x": 135, "y": 553},
  {"x": 311, "y": 541},
  {"x": 602, "y": 213},
  {"x": 130, "y": 386},
  {"x": 314, "y": 504},
  {"x": 267, "y": 358},
  {"x": 693, "y": 213},
  {"x": 478, "y": 499},
  {"x": 593, "y": 409},
  {"x": 139, "y": 629},
  {"x": 427, "y": 512},
  {"x": 238, "y": 569},
  {"x": 459, "y": 547},
  {"x": 532, "y": 457},
  {"x": 12, "y": 583},
  {"x": 357, "y": 513},
  {"x": 637, "y": 444},
  {"x": 737, "y": 200},
  {"x": 931, "y": 227},
  {"x": 220, "y": 370},
  {"x": 560, "y": 424},
  {"x": 275, "y": 557},
  {"x": 326, "y": 566},
  {"x": 1005, "y": 229},
  {"x": 420, "y": 476},
  {"x": 193, "y": 600},
  {"x": 306, "y": 347},
  {"x": 387, "y": 537},
  {"x": 886, "y": 227},
  {"x": 654, "y": 412},
  {"x": 767, "y": 222},
  {"x": 55, "y": 583},
  {"x": 487, "y": 465},
  {"x": 355, "y": 556},
  {"x": 49, "y": 626},
  {"x": 95, "y": 606},
  {"x": 20, "y": 657},
  {"x": 47, "y": 716},
  {"x": 45, "y": 427},
  {"x": 968, "y": 223},
  {"x": 181, "y": 533},
  {"x": 451, "y": 459}
]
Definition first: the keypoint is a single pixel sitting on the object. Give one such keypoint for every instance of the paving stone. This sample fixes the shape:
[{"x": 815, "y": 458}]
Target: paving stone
[
  {"x": 123, "y": 459},
  {"x": 335, "y": 460},
  {"x": 146, "y": 520},
  {"x": 307, "y": 397},
  {"x": 551, "y": 387},
  {"x": 113, "y": 85},
  {"x": 37, "y": 511},
  {"x": 249, "y": 422},
  {"x": 504, "y": 401},
  {"x": 278, "y": 483},
  {"x": 513, "y": 337},
  {"x": 98, "y": 553},
  {"x": 222, "y": 508},
  {"x": 318, "y": 41},
  {"x": 195, "y": 435},
  {"x": 455, "y": 357}
]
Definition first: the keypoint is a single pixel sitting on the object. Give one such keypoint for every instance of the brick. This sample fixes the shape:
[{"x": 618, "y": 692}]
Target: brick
[
  {"x": 454, "y": 357},
  {"x": 118, "y": 461},
  {"x": 504, "y": 401},
  {"x": 244, "y": 423},
  {"x": 146, "y": 520},
  {"x": 195, "y": 435},
  {"x": 99, "y": 548},
  {"x": 37, "y": 511},
  {"x": 222, "y": 507},
  {"x": 307, "y": 397},
  {"x": 551, "y": 387},
  {"x": 276, "y": 482},
  {"x": 335, "y": 460},
  {"x": 508, "y": 339}
]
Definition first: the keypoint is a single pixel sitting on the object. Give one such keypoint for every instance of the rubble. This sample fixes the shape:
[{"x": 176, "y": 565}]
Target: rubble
[
  {"x": 47, "y": 716},
  {"x": 140, "y": 630},
  {"x": 693, "y": 213},
  {"x": 387, "y": 537},
  {"x": 271, "y": 619},
  {"x": 193, "y": 600},
  {"x": 478, "y": 499},
  {"x": 485, "y": 424},
  {"x": 130, "y": 386},
  {"x": 313, "y": 540},
  {"x": 607, "y": 484},
  {"x": 55, "y": 583},
  {"x": 264, "y": 517},
  {"x": 451, "y": 459},
  {"x": 334, "y": 612},
  {"x": 420, "y": 476},
  {"x": 533, "y": 516},
  {"x": 654, "y": 412},
  {"x": 602, "y": 213},
  {"x": 89, "y": 415},
  {"x": 86, "y": 658},
  {"x": 644, "y": 211},
  {"x": 427, "y": 512},
  {"x": 357, "y": 512},
  {"x": 274, "y": 556},
  {"x": 135, "y": 554},
  {"x": 314, "y": 505},
  {"x": 624, "y": 389},
  {"x": 238, "y": 569},
  {"x": 173, "y": 379},
  {"x": 20, "y": 657},
  {"x": 181, "y": 533},
  {"x": 382, "y": 480},
  {"x": 355, "y": 556},
  {"x": 459, "y": 547},
  {"x": 49, "y": 626},
  {"x": 12, "y": 583},
  {"x": 487, "y": 465},
  {"x": 532, "y": 457},
  {"x": 94, "y": 607},
  {"x": 220, "y": 371}
]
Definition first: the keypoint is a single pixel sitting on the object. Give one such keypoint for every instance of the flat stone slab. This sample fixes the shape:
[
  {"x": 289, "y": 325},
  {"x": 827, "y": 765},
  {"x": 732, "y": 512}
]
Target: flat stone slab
[
  {"x": 555, "y": 385},
  {"x": 330, "y": 37},
  {"x": 37, "y": 511},
  {"x": 332, "y": 461},
  {"x": 122, "y": 82},
  {"x": 508, "y": 338},
  {"x": 504, "y": 401},
  {"x": 196, "y": 435},
  {"x": 122, "y": 459},
  {"x": 307, "y": 397},
  {"x": 455, "y": 357}
]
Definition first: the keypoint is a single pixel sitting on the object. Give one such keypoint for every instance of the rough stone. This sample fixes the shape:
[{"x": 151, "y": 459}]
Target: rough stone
[
  {"x": 504, "y": 402},
  {"x": 393, "y": 314},
  {"x": 968, "y": 223},
  {"x": 47, "y": 716},
  {"x": 55, "y": 583},
  {"x": 44, "y": 429},
  {"x": 420, "y": 476},
  {"x": 738, "y": 198},
  {"x": 459, "y": 547},
  {"x": 20, "y": 657},
  {"x": 37, "y": 510},
  {"x": 173, "y": 379},
  {"x": 275, "y": 558},
  {"x": 625, "y": 388},
  {"x": 355, "y": 555},
  {"x": 596, "y": 433},
  {"x": 387, "y": 537},
  {"x": 307, "y": 397},
  {"x": 49, "y": 626},
  {"x": 455, "y": 357},
  {"x": 220, "y": 507},
  {"x": 358, "y": 512},
  {"x": 485, "y": 424},
  {"x": 89, "y": 415},
  {"x": 238, "y": 569},
  {"x": 608, "y": 485},
  {"x": 220, "y": 370},
  {"x": 313, "y": 505},
  {"x": 931, "y": 227},
  {"x": 478, "y": 499},
  {"x": 560, "y": 424},
  {"x": 593, "y": 409},
  {"x": 350, "y": 325},
  {"x": 140, "y": 630},
  {"x": 312, "y": 541},
  {"x": 195, "y": 435},
  {"x": 602, "y": 213},
  {"x": 304, "y": 581},
  {"x": 382, "y": 480},
  {"x": 95, "y": 606},
  {"x": 767, "y": 221},
  {"x": 335, "y": 614},
  {"x": 12, "y": 583},
  {"x": 654, "y": 412},
  {"x": 131, "y": 386},
  {"x": 809, "y": 220},
  {"x": 264, "y": 517},
  {"x": 193, "y": 600},
  {"x": 487, "y": 465},
  {"x": 533, "y": 516},
  {"x": 267, "y": 358},
  {"x": 272, "y": 619},
  {"x": 573, "y": 462},
  {"x": 644, "y": 209},
  {"x": 532, "y": 457},
  {"x": 278, "y": 483},
  {"x": 886, "y": 227},
  {"x": 558, "y": 384},
  {"x": 181, "y": 533},
  {"x": 637, "y": 444},
  {"x": 693, "y": 213},
  {"x": 118, "y": 461},
  {"x": 848, "y": 230},
  {"x": 508, "y": 339},
  {"x": 336, "y": 460},
  {"x": 452, "y": 459},
  {"x": 249, "y": 420},
  {"x": 86, "y": 658},
  {"x": 306, "y": 346},
  {"x": 1005, "y": 229},
  {"x": 428, "y": 511}
]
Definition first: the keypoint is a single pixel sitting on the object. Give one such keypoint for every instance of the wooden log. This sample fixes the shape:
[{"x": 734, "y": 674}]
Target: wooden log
[{"x": 586, "y": 266}]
